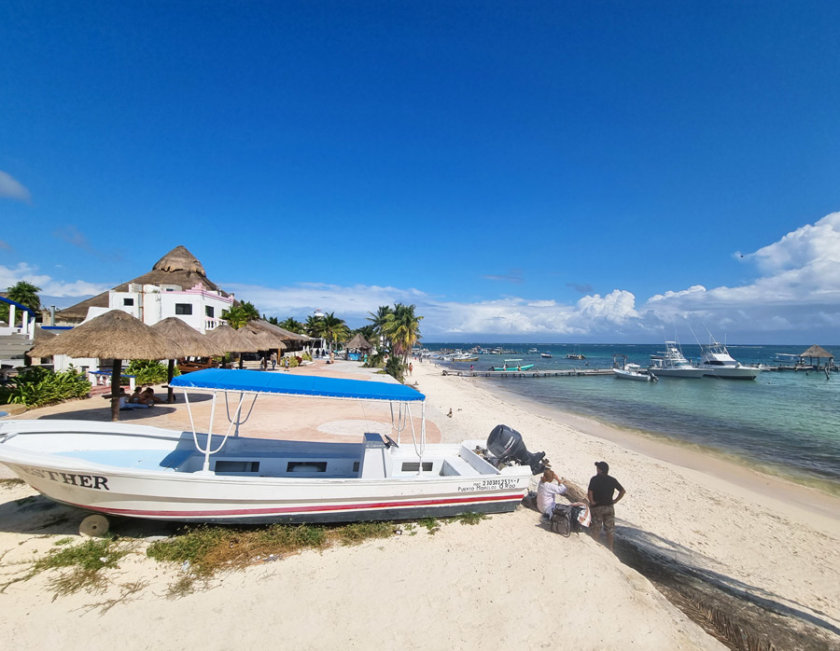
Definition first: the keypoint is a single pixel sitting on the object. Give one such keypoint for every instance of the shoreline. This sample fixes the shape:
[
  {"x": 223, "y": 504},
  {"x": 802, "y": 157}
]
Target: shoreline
[
  {"x": 731, "y": 468},
  {"x": 757, "y": 564}
]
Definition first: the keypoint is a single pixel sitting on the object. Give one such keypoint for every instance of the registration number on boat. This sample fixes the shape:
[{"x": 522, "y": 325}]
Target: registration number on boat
[{"x": 501, "y": 483}]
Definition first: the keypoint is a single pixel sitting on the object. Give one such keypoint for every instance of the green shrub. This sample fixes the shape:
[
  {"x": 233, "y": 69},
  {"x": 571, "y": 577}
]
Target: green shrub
[
  {"x": 149, "y": 371},
  {"x": 395, "y": 368},
  {"x": 37, "y": 386}
]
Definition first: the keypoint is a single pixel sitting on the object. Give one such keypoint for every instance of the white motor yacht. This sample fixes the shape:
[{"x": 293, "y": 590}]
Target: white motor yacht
[
  {"x": 672, "y": 363},
  {"x": 716, "y": 361}
]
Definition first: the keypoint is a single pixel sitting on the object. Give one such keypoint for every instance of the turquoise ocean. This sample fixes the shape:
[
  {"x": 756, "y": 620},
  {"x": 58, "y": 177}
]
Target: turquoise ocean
[{"x": 784, "y": 422}]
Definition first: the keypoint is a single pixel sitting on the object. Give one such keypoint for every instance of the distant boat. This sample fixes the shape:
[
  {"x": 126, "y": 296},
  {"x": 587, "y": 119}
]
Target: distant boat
[
  {"x": 575, "y": 356},
  {"x": 465, "y": 357},
  {"x": 672, "y": 363},
  {"x": 532, "y": 350},
  {"x": 626, "y": 371},
  {"x": 716, "y": 361},
  {"x": 513, "y": 365},
  {"x": 546, "y": 355}
]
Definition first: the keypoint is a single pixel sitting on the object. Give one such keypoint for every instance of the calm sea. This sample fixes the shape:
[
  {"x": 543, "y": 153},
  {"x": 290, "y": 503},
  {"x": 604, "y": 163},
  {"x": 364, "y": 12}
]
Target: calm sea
[{"x": 785, "y": 422}]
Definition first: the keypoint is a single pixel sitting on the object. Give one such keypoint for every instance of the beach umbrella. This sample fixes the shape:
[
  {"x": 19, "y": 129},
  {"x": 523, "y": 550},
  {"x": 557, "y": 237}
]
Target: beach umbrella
[
  {"x": 187, "y": 341},
  {"x": 114, "y": 335}
]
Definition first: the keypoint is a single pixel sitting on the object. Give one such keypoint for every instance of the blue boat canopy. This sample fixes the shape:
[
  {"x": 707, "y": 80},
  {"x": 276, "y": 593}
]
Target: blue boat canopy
[{"x": 217, "y": 379}]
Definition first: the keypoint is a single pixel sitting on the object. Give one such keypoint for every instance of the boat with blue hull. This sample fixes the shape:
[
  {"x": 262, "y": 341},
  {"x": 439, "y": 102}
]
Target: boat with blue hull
[{"x": 148, "y": 472}]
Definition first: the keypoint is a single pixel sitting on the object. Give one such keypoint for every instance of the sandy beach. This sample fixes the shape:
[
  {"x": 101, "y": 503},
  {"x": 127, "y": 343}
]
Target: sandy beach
[{"x": 752, "y": 546}]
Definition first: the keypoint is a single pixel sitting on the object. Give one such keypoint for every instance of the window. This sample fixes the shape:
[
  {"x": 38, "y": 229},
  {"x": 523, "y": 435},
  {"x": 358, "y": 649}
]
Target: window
[
  {"x": 209, "y": 311},
  {"x": 128, "y": 301},
  {"x": 183, "y": 308}
]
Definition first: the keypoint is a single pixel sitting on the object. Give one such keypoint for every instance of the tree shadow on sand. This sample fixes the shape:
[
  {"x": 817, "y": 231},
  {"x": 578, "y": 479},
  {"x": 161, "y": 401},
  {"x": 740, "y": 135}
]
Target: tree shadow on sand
[{"x": 742, "y": 616}]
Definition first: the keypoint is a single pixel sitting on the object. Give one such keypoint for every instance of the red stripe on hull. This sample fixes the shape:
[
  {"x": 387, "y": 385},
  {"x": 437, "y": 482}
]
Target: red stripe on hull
[{"x": 306, "y": 509}]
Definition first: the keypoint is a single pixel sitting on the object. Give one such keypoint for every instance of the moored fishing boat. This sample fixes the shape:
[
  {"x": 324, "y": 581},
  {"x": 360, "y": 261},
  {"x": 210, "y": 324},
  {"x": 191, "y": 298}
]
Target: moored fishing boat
[
  {"x": 672, "y": 363},
  {"x": 147, "y": 472},
  {"x": 716, "y": 361}
]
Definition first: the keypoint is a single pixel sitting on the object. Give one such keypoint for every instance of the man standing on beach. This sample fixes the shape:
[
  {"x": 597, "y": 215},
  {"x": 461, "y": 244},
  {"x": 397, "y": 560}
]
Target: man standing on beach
[{"x": 600, "y": 494}]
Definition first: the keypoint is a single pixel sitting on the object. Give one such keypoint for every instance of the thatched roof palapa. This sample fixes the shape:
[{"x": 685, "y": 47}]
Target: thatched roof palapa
[
  {"x": 234, "y": 341},
  {"x": 115, "y": 335},
  {"x": 190, "y": 341},
  {"x": 178, "y": 267},
  {"x": 817, "y": 351},
  {"x": 358, "y": 342}
]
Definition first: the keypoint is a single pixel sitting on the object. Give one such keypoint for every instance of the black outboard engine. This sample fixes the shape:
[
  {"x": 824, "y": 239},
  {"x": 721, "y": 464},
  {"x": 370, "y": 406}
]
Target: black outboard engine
[{"x": 506, "y": 444}]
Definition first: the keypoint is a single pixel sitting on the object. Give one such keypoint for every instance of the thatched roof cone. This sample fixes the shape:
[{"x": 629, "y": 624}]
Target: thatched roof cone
[
  {"x": 113, "y": 335},
  {"x": 282, "y": 333},
  {"x": 816, "y": 351},
  {"x": 277, "y": 336},
  {"x": 358, "y": 342},
  {"x": 233, "y": 341},
  {"x": 187, "y": 339},
  {"x": 178, "y": 267}
]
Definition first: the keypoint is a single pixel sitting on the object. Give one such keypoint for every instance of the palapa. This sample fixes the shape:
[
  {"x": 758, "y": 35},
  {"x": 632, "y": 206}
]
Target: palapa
[
  {"x": 358, "y": 342},
  {"x": 234, "y": 341},
  {"x": 817, "y": 351},
  {"x": 114, "y": 335},
  {"x": 188, "y": 340}
]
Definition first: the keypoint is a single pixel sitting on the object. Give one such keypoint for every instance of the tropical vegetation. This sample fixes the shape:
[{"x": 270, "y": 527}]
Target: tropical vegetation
[
  {"x": 240, "y": 314},
  {"x": 149, "y": 371},
  {"x": 24, "y": 293},
  {"x": 37, "y": 386}
]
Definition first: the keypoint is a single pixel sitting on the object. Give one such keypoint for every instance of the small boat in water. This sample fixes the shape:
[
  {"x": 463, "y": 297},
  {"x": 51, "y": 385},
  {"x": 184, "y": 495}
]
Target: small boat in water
[
  {"x": 629, "y": 371},
  {"x": 513, "y": 365},
  {"x": 546, "y": 355},
  {"x": 672, "y": 363},
  {"x": 715, "y": 361},
  {"x": 465, "y": 357},
  {"x": 141, "y": 471}
]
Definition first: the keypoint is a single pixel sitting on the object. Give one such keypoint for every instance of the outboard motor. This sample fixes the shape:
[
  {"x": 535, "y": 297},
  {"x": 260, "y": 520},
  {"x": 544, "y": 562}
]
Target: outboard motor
[{"x": 506, "y": 444}]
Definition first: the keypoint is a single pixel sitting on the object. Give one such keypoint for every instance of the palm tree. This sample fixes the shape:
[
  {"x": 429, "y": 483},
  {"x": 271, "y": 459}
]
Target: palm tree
[
  {"x": 292, "y": 325},
  {"x": 403, "y": 329},
  {"x": 240, "y": 314},
  {"x": 24, "y": 293},
  {"x": 379, "y": 320},
  {"x": 313, "y": 326},
  {"x": 333, "y": 329}
]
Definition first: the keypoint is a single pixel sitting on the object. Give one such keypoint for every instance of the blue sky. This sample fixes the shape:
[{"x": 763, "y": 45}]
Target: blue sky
[{"x": 532, "y": 171}]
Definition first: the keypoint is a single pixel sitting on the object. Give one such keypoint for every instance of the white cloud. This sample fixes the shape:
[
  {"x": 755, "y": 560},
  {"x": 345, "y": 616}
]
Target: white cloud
[
  {"x": 12, "y": 188},
  {"x": 796, "y": 294},
  {"x": 49, "y": 286}
]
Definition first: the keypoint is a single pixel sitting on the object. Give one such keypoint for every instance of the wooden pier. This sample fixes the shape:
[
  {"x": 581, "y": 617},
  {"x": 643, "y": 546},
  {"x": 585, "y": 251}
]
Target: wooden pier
[{"x": 560, "y": 372}]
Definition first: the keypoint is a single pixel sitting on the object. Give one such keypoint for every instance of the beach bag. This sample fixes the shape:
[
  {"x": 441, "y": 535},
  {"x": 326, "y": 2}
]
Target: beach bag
[
  {"x": 530, "y": 501},
  {"x": 561, "y": 519}
]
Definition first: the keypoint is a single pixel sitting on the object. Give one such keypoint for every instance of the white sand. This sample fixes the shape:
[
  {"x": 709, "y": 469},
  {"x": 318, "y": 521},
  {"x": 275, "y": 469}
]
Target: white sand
[{"x": 506, "y": 580}]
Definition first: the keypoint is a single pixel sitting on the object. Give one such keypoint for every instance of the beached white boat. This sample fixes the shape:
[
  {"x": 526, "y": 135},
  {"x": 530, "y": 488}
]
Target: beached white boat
[
  {"x": 672, "y": 363},
  {"x": 148, "y": 472},
  {"x": 716, "y": 361}
]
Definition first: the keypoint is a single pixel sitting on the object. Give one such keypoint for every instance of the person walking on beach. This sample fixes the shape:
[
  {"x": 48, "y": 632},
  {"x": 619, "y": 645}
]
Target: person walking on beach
[{"x": 600, "y": 493}]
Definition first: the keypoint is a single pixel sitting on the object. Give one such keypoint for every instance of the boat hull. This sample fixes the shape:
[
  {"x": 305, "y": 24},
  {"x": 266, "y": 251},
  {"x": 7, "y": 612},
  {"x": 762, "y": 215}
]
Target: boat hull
[
  {"x": 621, "y": 374},
  {"x": 732, "y": 373},
  {"x": 64, "y": 474}
]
